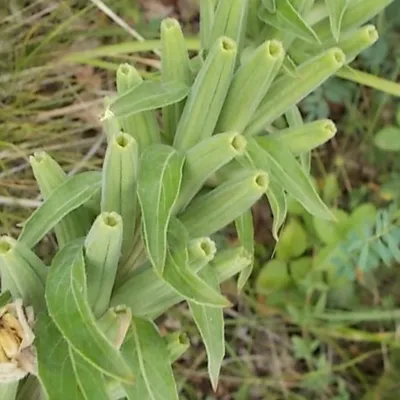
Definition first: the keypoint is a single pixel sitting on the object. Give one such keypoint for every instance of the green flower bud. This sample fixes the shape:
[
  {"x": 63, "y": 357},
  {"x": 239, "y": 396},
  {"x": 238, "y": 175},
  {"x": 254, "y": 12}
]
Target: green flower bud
[
  {"x": 49, "y": 175},
  {"x": 177, "y": 344},
  {"x": 22, "y": 273},
  {"x": 175, "y": 67},
  {"x": 115, "y": 324},
  {"x": 249, "y": 86},
  {"x": 142, "y": 126},
  {"x": 119, "y": 184},
  {"x": 207, "y": 95},
  {"x": 303, "y": 138},
  {"x": 356, "y": 42},
  {"x": 211, "y": 212},
  {"x": 290, "y": 89},
  {"x": 206, "y": 158},
  {"x": 102, "y": 253}
]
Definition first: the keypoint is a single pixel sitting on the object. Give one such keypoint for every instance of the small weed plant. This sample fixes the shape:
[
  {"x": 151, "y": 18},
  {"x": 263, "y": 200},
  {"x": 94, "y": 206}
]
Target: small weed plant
[{"x": 187, "y": 154}]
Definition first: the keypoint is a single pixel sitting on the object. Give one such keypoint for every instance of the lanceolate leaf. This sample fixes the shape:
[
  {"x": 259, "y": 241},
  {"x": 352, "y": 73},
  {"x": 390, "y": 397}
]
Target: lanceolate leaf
[
  {"x": 277, "y": 200},
  {"x": 158, "y": 296},
  {"x": 230, "y": 20},
  {"x": 287, "y": 18},
  {"x": 56, "y": 373},
  {"x": 210, "y": 322},
  {"x": 336, "y": 9},
  {"x": 67, "y": 302},
  {"x": 357, "y": 13},
  {"x": 189, "y": 285},
  {"x": 5, "y": 298},
  {"x": 67, "y": 197},
  {"x": 182, "y": 278},
  {"x": 148, "y": 96},
  {"x": 158, "y": 186},
  {"x": 147, "y": 354},
  {"x": 245, "y": 230},
  {"x": 269, "y": 154},
  {"x": 90, "y": 380},
  {"x": 207, "y": 12},
  {"x": 270, "y": 5}
]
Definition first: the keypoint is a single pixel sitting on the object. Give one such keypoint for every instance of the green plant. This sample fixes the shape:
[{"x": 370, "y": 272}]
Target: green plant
[
  {"x": 388, "y": 138},
  {"x": 332, "y": 256},
  {"x": 134, "y": 239}
]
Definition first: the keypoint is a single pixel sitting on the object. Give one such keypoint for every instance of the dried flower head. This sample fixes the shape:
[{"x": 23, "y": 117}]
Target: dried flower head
[{"x": 17, "y": 354}]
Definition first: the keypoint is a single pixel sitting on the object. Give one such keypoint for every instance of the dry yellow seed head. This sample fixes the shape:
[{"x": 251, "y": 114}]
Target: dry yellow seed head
[{"x": 17, "y": 354}]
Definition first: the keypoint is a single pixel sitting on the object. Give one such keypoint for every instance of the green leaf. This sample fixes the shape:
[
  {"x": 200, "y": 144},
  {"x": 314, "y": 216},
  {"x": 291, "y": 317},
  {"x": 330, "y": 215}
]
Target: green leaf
[
  {"x": 159, "y": 181},
  {"x": 332, "y": 231},
  {"x": 293, "y": 241},
  {"x": 398, "y": 116},
  {"x": 388, "y": 138},
  {"x": 148, "y": 96},
  {"x": 245, "y": 230},
  {"x": 5, "y": 298},
  {"x": 210, "y": 322},
  {"x": 90, "y": 380},
  {"x": 254, "y": 24},
  {"x": 272, "y": 156},
  {"x": 230, "y": 20},
  {"x": 336, "y": 9},
  {"x": 148, "y": 296},
  {"x": 277, "y": 200},
  {"x": 75, "y": 191},
  {"x": 66, "y": 296},
  {"x": 181, "y": 277},
  {"x": 147, "y": 354},
  {"x": 272, "y": 277},
  {"x": 56, "y": 373},
  {"x": 361, "y": 216},
  {"x": 207, "y": 13},
  {"x": 299, "y": 268},
  {"x": 8, "y": 390},
  {"x": 270, "y": 5},
  {"x": 287, "y": 19}
]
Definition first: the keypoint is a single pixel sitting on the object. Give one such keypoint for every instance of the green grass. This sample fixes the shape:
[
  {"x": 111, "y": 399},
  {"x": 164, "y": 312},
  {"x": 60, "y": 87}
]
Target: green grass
[{"x": 57, "y": 61}]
